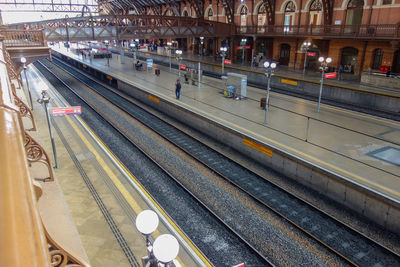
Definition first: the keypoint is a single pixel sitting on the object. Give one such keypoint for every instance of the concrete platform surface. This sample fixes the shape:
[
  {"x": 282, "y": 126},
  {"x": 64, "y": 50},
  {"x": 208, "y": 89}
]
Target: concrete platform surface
[
  {"x": 102, "y": 197},
  {"x": 362, "y": 149}
]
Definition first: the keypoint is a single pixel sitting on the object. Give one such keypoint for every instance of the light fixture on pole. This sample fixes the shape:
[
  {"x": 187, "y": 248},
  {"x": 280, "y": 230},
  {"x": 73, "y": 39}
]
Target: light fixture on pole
[
  {"x": 323, "y": 68},
  {"x": 223, "y": 50},
  {"x": 179, "y": 58},
  {"x": 169, "y": 47},
  {"x": 306, "y": 45},
  {"x": 46, "y": 100},
  {"x": 146, "y": 223},
  {"x": 133, "y": 47},
  {"x": 23, "y": 61},
  {"x": 165, "y": 248},
  {"x": 270, "y": 67},
  {"x": 243, "y": 43},
  {"x": 107, "y": 55},
  {"x": 201, "y": 45}
]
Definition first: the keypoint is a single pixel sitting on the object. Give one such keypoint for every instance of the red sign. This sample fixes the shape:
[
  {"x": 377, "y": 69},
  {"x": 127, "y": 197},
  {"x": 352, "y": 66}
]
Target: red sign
[
  {"x": 239, "y": 265},
  {"x": 310, "y": 54},
  {"x": 143, "y": 47},
  {"x": 66, "y": 111},
  {"x": 330, "y": 75},
  {"x": 244, "y": 47},
  {"x": 182, "y": 67},
  {"x": 228, "y": 61}
]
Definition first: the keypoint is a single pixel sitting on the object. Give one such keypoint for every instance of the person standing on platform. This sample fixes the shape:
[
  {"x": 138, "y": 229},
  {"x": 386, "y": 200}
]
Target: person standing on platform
[
  {"x": 178, "y": 89},
  {"x": 340, "y": 72}
]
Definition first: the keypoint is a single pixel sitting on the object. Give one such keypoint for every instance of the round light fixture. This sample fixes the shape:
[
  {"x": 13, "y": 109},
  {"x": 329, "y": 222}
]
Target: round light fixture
[
  {"x": 273, "y": 65},
  {"x": 266, "y": 64},
  {"x": 23, "y": 60},
  {"x": 179, "y": 52},
  {"x": 328, "y": 60},
  {"x": 147, "y": 222},
  {"x": 165, "y": 248},
  {"x": 321, "y": 59}
]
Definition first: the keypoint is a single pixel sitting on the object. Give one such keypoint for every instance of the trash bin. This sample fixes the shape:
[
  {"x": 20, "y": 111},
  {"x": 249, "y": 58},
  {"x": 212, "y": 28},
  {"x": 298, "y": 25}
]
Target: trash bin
[
  {"x": 157, "y": 72},
  {"x": 263, "y": 102}
]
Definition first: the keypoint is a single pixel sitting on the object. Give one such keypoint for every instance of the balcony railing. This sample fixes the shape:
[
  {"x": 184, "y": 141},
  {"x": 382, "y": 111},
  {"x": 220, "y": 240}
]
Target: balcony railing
[
  {"x": 24, "y": 239},
  {"x": 23, "y": 38},
  {"x": 382, "y": 31}
]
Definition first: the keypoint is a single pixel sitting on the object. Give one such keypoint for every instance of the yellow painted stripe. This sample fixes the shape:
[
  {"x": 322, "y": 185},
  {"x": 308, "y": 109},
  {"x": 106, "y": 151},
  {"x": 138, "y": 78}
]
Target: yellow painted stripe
[
  {"x": 125, "y": 192},
  {"x": 258, "y": 147},
  {"x": 289, "y": 82},
  {"x": 154, "y": 98}
]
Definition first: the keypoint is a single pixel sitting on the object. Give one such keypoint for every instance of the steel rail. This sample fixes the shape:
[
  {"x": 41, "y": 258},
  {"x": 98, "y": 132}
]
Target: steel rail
[
  {"x": 258, "y": 199},
  {"x": 269, "y": 263}
]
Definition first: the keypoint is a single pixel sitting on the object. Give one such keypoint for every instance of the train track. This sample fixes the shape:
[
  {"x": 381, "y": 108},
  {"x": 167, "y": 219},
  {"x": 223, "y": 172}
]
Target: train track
[
  {"x": 254, "y": 257},
  {"x": 346, "y": 242}
]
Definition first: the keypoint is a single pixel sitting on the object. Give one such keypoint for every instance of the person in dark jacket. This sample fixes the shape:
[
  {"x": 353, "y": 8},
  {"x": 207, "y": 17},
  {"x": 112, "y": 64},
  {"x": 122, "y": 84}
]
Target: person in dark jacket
[{"x": 178, "y": 89}]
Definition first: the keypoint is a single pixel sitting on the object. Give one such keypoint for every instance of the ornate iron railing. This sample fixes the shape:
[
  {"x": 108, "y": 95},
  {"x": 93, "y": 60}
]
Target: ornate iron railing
[
  {"x": 23, "y": 38},
  {"x": 381, "y": 31}
]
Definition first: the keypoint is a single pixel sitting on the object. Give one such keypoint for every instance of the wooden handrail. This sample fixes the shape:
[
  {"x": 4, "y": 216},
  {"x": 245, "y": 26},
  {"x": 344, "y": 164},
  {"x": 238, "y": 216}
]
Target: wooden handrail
[
  {"x": 23, "y": 38},
  {"x": 22, "y": 241}
]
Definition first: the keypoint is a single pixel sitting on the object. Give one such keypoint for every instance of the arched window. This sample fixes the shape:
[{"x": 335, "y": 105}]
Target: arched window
[
  {"x": 210, "y": 14},
  {"x": 185, "y": 13},
  {"x": 316, "y": 12},
  {"x": 377, "y": 59},
  {"x": 262, "y": 18},
  {"x": 243, "y": 18},
  {"x": 354, "y": 12},
  {"x": 290, "y": 8}
]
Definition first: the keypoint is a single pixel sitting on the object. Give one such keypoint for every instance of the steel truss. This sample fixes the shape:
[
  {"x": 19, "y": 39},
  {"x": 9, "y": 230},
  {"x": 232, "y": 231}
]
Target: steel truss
[{"x": 122, "y": 27}]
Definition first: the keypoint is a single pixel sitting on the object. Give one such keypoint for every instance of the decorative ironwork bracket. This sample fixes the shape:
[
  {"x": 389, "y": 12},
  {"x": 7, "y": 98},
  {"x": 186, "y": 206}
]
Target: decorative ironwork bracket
[
  {"x": 36, "y": 153},
  {"x": 24, "y": 110}
]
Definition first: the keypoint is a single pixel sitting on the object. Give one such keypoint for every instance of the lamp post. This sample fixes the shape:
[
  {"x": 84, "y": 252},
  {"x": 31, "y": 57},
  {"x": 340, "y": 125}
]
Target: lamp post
[
  {"x": 133, "y": 47},
  {"x": 23, "y": 61},
  {"x": 108, "y": 58},
  {"x": 169, "y": 44},
  {"x": 243, "y": 43},
  {"x": 164, "y": 249},
  {"x": 307, "y": 45},
  {"x": 46, "y": 100},
  {"x": 323, "y": 68},
  {"x": 179, "y": 58},
  {"x": 270, "y": 67},
  {"x": 201, "y": 45},
  {"x": 223, "y": 50}
]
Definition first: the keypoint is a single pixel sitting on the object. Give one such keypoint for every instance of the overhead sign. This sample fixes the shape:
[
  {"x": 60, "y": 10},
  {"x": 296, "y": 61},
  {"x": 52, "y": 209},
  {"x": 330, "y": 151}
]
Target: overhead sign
[
  {"x": 66, "y": 111},
  {"x": 182, "y": 67},
  {"x": 330, "y": 75},
  {"x": 310, "y": 54},
  {"x": 244, "y": 47},
  {"x": 228, "y": 61}
]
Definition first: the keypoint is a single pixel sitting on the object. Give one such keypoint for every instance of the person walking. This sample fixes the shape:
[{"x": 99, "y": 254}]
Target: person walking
[{"x": 178, "y": 89}]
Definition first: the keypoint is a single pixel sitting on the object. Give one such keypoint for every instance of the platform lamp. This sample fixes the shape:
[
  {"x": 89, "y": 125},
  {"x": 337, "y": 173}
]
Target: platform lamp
[
  {"x": 169, "y": 47},
  {"x": 165, "y": 249},
  {"x": 244, "y": 41},
  {"x": 108, "y": 57},
  {"x": 23, "y": 61},
  {"x": 133, "y": 47},
  {"x": 270, "y": 67},
  {"x": 306, "y": 45},
  {"x": 146, "y": 223},
  {"x": 324, "y": 67},
  {"x": 223, "y": 50},
  {"x": 201, "y": 45},
  {"x": 179, "y": 58}
]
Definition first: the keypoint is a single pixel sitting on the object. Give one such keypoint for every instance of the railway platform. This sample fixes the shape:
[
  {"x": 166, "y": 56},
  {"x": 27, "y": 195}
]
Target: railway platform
[
  {"x": 358, "y": 153},
  {"x": 102, "y": 196}
]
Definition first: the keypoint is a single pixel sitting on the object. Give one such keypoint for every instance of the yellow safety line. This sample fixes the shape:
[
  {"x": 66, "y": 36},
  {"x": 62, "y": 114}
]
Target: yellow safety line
[
  {"x": 340, "y": 170},
  {"x": 123, "y": 190}
]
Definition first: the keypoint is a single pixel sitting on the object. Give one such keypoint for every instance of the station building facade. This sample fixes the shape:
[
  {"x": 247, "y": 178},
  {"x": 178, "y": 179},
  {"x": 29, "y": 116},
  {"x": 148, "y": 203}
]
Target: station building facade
[{"x": 361, "y": 35}]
